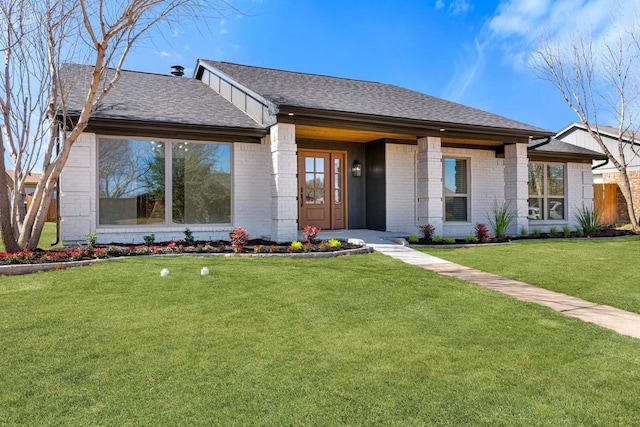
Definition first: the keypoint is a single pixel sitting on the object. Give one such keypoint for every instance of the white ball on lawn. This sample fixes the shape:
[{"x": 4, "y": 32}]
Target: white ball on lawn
[
  {"x": 164, "y": 272},
  {"x": 204, "y": 271}
]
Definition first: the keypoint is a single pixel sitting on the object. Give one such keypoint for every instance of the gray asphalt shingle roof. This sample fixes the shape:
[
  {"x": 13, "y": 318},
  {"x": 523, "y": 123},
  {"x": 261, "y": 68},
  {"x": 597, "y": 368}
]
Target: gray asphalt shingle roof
[
  {"x": 560, "y": 147},
  {"x": 157, "y": 98},
  {"x": 356, "y": 96}
]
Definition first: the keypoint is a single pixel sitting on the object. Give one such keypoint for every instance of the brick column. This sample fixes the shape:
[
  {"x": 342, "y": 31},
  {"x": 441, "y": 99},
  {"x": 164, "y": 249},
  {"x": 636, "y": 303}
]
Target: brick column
[
  {"x": 429, "y": 189},
  {"x": 516, "y": 189},
  {"x": 284, "y": 183}
]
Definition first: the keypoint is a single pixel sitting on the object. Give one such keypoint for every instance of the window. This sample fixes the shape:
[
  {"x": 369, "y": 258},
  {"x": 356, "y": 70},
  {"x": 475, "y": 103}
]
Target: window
[
  {"x": 546, "y": 191},
  {"x": 456, "y": 190},
  {"x": 138, "y": 177}
]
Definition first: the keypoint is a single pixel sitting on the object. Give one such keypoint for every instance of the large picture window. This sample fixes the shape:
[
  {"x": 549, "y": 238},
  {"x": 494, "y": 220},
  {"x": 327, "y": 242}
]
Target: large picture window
[
  {"x": 138, "y": 177},
  {"x": 456, "y": 190},
  {"x": 546, "y": 191}
]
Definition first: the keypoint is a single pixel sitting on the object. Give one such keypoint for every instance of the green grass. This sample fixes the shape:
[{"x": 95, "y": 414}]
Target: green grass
[
  {"x": 46, "y": 239},
  {"x": 363, "y": 340},
  {"x": 600, "y": 271}
]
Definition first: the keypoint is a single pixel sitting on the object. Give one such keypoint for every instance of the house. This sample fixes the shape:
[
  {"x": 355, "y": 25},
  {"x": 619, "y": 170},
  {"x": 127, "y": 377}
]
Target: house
[
  {"x": 607, "y": 193},
  {"x": 30, "y": 187},
  {"x": 273, "y": 151}
]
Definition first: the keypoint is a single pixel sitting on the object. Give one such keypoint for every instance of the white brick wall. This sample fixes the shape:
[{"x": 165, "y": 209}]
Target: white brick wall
[
  {"x": 401, "y": 190},
  {"x": 252, "y": 188},
  {"x": 78, "y": 202}
]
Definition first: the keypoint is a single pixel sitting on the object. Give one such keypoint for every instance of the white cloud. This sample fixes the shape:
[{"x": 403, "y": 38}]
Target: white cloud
[
  {"x": 163, "y": 53},
  {"x": 439, "y": 4},
  {"x": 458, "y": 7},
  {"x": 464, "y": 76}
]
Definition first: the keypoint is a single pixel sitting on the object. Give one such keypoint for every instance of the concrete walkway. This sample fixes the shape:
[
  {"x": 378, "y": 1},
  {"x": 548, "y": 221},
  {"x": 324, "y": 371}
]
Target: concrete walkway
[{"x": 612, "y": 318}]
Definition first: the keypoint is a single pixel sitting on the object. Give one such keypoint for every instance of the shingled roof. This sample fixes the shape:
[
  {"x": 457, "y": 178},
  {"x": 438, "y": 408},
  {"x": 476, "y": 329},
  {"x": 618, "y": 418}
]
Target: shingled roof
[
  {"x": 157, "y": 98},
  {"x": 313, "y": 91},
  {"x": 557, "y": 148}
]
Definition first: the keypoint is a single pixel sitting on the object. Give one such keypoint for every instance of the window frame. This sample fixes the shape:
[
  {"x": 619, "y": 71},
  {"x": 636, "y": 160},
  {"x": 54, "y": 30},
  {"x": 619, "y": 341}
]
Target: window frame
[
  {"x": 168, "y": 223},
  {"x": 466, "y": 195},
  {"x": 545, "y": 197}
]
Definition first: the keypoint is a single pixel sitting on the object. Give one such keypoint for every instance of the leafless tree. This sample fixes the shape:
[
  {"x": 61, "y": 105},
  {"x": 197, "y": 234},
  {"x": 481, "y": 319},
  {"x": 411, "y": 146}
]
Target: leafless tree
[
  {"x": 599, "y": 81},
  {"x": 36, "y": 38}
]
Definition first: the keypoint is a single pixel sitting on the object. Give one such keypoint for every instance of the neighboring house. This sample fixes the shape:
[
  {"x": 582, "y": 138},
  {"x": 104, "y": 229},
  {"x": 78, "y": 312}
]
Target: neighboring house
[
  {"x": 29, "y": 188},
  {"x": 607, "y": 180},
  {"x": 273, "y": 151}
]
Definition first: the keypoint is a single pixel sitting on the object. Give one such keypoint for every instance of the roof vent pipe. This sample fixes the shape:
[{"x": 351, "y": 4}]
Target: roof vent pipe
[{"x": 177, "y": 70}]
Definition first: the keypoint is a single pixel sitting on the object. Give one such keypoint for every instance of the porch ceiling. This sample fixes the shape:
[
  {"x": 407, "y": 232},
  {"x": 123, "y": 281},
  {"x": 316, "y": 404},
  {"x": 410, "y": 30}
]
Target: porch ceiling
[{"x": 346, "y": 135}]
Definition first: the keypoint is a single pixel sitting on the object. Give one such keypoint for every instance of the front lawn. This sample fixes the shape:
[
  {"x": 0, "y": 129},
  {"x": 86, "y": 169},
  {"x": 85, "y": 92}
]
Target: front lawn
[
  {"x": 362, "y": 340},
  {"x": 600, "y": 271}
]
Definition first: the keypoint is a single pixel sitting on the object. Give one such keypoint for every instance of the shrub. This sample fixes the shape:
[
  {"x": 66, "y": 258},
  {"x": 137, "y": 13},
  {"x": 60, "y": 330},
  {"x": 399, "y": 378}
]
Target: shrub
[
  {"x": 427, "y": 231},
  {"x": 258, "y": 249},
  {"x": 566, "y": 231},
  {"x": 436, "y": 239},
  {"x": 310, "y": 233},
  {"x": 500, "y": 218},
  {"x": 523, "y": 231},
  {"x": 323, "y": 246},
  {"x": 588, "y": 218},
  {"x": 239, "y": 237},
  {"x": 334, "y": 243},
  {"x": 536, "y": 232},
  {"x": 188, "y": 237},
  {"x": 92, "y": 238},
  {"x": 413, "y": 239},
  {"x": 449, "y": 240},
  {"x": 471, "y": 239},
  {"x": 295, "y": 246},
  {"x": 482, "y": 233},
  {"x": 553, "y": 232},
  {"x": 150, "y": 239}
]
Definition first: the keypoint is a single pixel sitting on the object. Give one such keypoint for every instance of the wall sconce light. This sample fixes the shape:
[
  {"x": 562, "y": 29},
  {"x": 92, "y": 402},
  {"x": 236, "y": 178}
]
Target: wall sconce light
[{"x": 356, "y": 169}]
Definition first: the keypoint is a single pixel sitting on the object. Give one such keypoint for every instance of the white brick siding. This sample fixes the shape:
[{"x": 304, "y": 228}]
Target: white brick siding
[
  {"x": 78, "y": 193},
  {"x": 252, "y": 188},
  {"x": 401, "y": 189}
]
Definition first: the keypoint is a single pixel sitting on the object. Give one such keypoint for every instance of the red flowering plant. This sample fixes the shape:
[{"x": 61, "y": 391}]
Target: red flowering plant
[
  {"x": 310, "y": 233},
  {"x": 239, "y": 238}
]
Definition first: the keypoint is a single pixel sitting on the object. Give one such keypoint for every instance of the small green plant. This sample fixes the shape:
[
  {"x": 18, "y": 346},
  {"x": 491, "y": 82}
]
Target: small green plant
[
  {"x": 324, "y": 246},
  {"x": 579, "y": 232},
  {"x": 436, "y": 239},
  {"x": 188, "y": 237},
  {"x": 92, "y": 238},
  {"x": 588, "y": 218},
  {"x": 536, "y": 232},
  {"x": 553, "y": 232},
  {"x": 413, "y": 239},
  {"x": 566, "y": 231},
  {"x": 500, "y": 218},
  {"x": 449, "y": 240},
  {"x": 150, "y": 239},
  {"x": 523, "y": 231},
  {"x": 427, "y": 231},
  {"x": 334, "y": 243},
  {"x": 471, "y": 239}
]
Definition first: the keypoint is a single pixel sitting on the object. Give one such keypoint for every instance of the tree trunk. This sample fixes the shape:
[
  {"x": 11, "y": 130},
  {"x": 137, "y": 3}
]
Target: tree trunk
[{"x": 628, "y": 196}]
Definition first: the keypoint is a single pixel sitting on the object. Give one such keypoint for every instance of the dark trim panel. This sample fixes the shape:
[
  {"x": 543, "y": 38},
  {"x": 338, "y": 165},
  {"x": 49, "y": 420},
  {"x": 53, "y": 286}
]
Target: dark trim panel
[
  {"x": 174, "y": 130},
  {"x": 356, "y": 121}
]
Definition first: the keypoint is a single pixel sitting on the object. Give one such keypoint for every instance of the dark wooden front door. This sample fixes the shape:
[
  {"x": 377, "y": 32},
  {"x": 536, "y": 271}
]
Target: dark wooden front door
[{"x": 321, "y": 202}]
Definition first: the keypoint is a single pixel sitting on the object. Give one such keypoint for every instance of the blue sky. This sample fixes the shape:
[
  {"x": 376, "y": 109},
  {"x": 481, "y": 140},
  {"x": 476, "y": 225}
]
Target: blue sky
[{"x": 471, "y": 52}]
